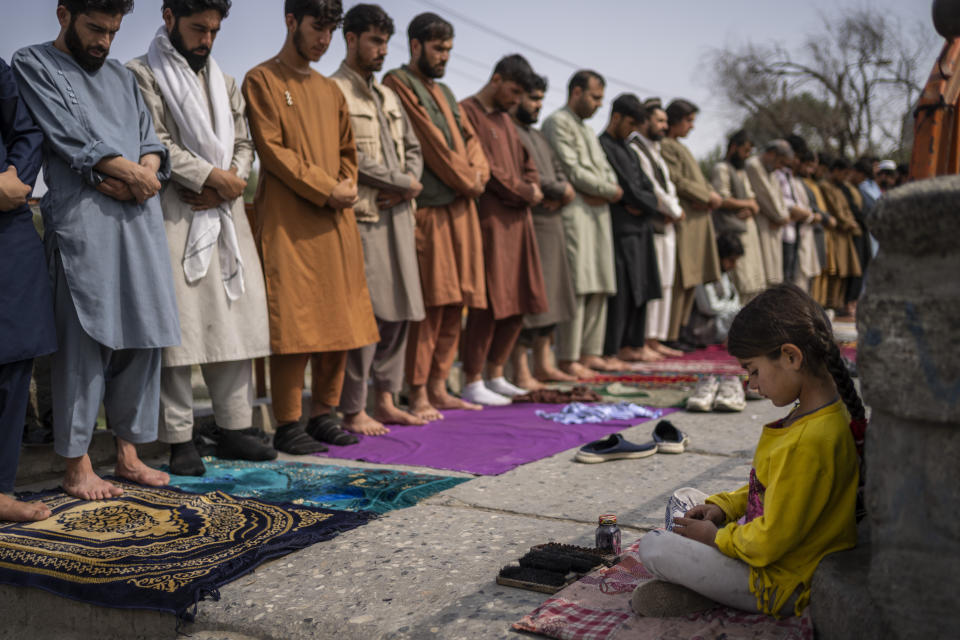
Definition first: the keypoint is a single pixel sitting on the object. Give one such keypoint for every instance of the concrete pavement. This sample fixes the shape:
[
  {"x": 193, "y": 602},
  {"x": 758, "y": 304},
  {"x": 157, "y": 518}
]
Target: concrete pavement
[{"x": 428, "y": 571}]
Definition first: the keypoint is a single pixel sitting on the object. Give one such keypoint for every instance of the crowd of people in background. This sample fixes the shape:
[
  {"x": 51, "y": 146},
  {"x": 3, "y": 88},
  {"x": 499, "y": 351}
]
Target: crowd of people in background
[{"x": 395, "y": 230}]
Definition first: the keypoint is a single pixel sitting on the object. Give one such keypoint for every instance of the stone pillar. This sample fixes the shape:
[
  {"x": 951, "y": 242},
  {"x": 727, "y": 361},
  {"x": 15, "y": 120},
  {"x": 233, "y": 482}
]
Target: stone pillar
[{"x": 909, "y": 362}]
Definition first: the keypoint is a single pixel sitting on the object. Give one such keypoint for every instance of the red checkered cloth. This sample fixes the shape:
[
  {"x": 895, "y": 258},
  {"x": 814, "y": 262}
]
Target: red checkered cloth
[{"x": 597, "y": 607}]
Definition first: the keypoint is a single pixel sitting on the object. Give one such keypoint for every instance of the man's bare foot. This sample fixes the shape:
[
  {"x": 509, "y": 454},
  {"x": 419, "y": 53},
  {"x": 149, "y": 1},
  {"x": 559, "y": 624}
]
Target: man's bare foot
[
  {"x": 443, "y": 400},
  {"x": 593, "y": 362},
  {"x": 609, "y": 363},
  {"x": 529, "y": 383},
  {"x": 14, "y": 510},
  {"x": 80, "y": 481},
  {"x": 643, "y": 354},
  {"x": 664, "y": 350},
  {"x": 131, "y": 467},
  {"x": 420, "y": 405},
  {"x": 364, "y": 424},
  {"x": 388, "y": 413},
  {"x": 553, "y": 374},
  {"x": 616, "y": 364},
  {"x": 578, "y": 371},
  {"x": 394, "y": 415}
]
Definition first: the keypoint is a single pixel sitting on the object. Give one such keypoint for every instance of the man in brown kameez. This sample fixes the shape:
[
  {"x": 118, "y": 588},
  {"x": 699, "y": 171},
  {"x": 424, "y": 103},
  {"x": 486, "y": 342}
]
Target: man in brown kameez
[
  {"x": 449, "y": 245},
  {"x": 511, "y": 261},
  {"x": 317, "y": 299}
]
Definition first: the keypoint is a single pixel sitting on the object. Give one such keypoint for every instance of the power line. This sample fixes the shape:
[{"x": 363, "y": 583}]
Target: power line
[{"x": 520, "y": 43}]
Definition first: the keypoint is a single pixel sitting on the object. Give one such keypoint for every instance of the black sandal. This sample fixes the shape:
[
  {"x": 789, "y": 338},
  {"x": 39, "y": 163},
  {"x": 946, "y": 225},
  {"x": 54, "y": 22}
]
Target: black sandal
[
  {"x": 293, "y": 439},
  {"x": 329, "y": 428}
]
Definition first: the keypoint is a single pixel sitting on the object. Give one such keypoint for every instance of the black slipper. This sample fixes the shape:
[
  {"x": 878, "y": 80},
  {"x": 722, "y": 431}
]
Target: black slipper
[
  {"x": 243, "y": 444},
  {"x": 185, "y": 459},
  {"x": 328, "y": 428},
  {"x": 293, "y": 439}
]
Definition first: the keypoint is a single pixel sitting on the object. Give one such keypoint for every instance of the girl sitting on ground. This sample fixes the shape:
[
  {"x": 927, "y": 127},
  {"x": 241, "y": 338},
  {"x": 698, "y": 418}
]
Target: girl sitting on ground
[{"x": 756, "y": 548}]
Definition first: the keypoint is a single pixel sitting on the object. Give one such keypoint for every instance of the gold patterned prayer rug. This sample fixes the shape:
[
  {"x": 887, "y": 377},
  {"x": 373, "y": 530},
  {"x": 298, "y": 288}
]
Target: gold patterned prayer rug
[{"x": 156, "y": 548}]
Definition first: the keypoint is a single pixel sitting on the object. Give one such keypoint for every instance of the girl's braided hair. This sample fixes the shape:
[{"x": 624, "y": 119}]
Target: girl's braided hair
[{"x": 784, "y": 313}]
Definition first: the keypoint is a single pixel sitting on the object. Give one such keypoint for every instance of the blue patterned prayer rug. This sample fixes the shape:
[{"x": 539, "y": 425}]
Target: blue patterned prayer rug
[
  {"x": 318, "y": 485},
  {"x": 156, "y": 548}
]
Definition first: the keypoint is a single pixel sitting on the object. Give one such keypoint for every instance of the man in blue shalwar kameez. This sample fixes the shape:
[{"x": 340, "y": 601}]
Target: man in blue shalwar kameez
[
  {"x": 106, "y": 248},
  {"x": 26, "y": 308}
]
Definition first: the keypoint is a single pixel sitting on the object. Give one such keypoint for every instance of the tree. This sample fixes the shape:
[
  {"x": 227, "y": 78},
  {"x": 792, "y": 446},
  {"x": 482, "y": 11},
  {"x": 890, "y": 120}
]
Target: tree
[{"x": 849, "y": 89}]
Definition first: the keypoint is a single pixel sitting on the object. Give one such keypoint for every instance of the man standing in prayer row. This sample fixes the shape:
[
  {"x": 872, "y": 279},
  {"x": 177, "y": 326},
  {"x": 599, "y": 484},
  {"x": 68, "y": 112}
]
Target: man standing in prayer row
[
  {"x": 697, "y": 260},
  {"x": 198, "y": 113},
  {"x": 114, "y": 302},
  {"x": 646, "y": 144},
  {"x": 635, "y": 256},
  {"x": 586, "y": 223},
  {"x": 511, "y": 261},
  {"x": 737, "y": 214},
  {"x": 449, "y": 245},
  {"x": 26, "y": 306},
  {"x": 390, "y": 166},
  {"x": 548, "y": 227},
  {"x": 318, "y": 302},
  {"x": 773, "y": 217},
  {"x": 803, "y": 263}
]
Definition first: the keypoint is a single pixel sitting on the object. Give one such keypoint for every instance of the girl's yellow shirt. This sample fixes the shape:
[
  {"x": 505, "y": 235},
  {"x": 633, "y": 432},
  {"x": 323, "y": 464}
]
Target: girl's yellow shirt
[{"x": 798, "y": 507}]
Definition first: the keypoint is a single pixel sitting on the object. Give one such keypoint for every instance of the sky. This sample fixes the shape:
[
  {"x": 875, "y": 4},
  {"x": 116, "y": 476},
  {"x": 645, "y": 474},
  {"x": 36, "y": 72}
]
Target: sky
[{"x": 648, "y": 48}]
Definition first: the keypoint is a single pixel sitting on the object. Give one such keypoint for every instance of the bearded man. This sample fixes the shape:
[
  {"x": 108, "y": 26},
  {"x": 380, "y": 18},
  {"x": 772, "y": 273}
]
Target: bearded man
[
  {"x": 114, "y": 303},
  {"x": 390, "y": 166},
  {"x": 510, "y": 257},
  {"x": 198, "y": 113},
  {"x": 449, "y": 245}
]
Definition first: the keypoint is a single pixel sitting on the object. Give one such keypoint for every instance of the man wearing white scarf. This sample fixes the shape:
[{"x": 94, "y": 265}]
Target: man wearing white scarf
[{"x": 198, "y": 113}]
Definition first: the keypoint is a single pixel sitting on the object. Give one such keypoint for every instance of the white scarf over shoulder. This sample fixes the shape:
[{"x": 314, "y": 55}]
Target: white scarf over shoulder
[{"x": 213, "y": 141}]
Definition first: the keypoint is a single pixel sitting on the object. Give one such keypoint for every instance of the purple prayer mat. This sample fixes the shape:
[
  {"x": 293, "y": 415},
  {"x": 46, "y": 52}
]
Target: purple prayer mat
[{"x": 487, "y": 442}]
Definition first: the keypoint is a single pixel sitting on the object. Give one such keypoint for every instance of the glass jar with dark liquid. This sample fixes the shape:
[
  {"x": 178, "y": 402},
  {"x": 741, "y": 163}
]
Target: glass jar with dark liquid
[{"x": 608, "y": 535}]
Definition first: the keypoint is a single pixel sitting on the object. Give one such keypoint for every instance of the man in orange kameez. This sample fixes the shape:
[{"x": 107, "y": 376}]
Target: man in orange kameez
[
  {"x": 511, "y": 261},
  {"x": 317, "y": 298},
  {"x": 449, "y": 245}
]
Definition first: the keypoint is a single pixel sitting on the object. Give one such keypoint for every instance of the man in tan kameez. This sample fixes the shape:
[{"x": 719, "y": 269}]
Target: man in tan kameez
[
  {"x": 390, "y": 167},
  {"x": 317, "y": 298},
  {"x": 449, "y": 245},
  {"x": 697, "y": 259},
  {"x": 773, "y": 217},
  {"x": 198, "y": 114},
  {"x": 736, "y": 214},
  {"x": 511, "y": 261}
]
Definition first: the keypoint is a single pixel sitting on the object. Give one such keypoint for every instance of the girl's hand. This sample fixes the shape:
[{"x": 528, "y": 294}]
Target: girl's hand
[
  {"x": 700, "y": 530},
  {"x": 710, "y": 512}
]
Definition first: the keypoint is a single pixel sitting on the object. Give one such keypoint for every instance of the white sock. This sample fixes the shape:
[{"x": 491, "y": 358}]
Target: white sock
[
  {"x": 477, "y": 393},
  {"x": 503, "y": 387}
]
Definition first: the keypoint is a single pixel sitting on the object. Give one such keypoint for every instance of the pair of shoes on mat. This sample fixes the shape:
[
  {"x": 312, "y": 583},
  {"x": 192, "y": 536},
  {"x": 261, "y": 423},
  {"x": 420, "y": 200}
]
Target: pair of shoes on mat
[
  {"x": 661, "y": 599},
  {"x": 718, "y": 394},
  {"x": 186, "y": 458},
  {"x": 297, "y": 439},
  {"x": 666, "y": 439},
  {"x": 491, "y": 393}
]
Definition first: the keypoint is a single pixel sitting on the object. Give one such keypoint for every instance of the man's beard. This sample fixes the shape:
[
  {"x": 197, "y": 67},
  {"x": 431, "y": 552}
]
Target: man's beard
[
  {"x": 737, "y": 162},
  {"x": 428, "y": 71},
  {"x": 526, "y": 117},
  {"x": 371, "y": 66},
  {"x": 80, "y": 53},
  {"x": 197, "y": 61},
  {"x": 654, "y": 136}
]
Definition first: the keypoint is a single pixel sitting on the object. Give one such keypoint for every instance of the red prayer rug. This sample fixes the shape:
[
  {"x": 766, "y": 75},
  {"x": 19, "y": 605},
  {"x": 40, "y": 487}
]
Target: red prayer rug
[{"x": 597, "y": 607}]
